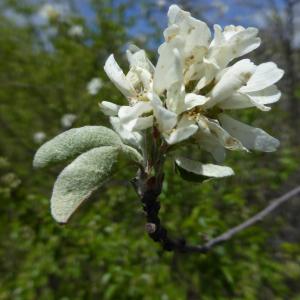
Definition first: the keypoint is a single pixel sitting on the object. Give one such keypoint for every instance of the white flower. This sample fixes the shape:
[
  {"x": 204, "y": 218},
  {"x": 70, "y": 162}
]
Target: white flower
[
  {"x": 135, "y": 86},
  {"x": 67, "y": 120},
  {"x": 76, "y": 31},
  {"x": 134, "y": 138},
  {"x": 94, "y": 86},
  {"x": 190, "y": 37},
  {"x": 39, "y": 137},
  {"x": 201, "y": 67},
  {"x": 173, "y": 127},
  {"x": 52, "y": 12},
  {"x": 193, "y": 83},
  {"x": 246, "y": 85}
]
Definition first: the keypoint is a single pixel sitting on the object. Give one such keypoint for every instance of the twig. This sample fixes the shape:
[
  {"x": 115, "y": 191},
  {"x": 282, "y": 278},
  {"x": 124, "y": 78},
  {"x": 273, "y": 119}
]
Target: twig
[
  {"x": 149, "y": 190},
  {"x": 256, "y": 218}
]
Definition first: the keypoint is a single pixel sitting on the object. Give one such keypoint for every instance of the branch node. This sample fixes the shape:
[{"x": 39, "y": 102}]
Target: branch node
[{"x": 150, "y": 228}]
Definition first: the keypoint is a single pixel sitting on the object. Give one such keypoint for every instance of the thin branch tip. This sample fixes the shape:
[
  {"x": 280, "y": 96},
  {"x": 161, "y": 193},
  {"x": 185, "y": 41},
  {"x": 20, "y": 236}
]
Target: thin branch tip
[{"x": 150, "y": 191}]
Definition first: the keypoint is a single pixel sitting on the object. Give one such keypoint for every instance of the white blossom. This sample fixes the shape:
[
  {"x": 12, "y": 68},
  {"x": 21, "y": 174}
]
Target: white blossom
[
  {"x": 67, "y": 120},
  {"x": 39, "y": 137},
  {"x": 94, "y": 86},
  {"x": 192, "y": 85},
  {"x": 76, "y": 31},
  {"x": 135, "y": 86},
  {"x": 52, "y": 12}
]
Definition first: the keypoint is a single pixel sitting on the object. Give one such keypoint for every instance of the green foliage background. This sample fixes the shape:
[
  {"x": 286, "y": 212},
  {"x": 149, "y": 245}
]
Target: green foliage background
[{"x": 104, "y": 253}]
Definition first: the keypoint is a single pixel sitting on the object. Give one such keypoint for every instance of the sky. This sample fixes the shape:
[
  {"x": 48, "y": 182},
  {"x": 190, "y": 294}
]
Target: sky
[
  {"x": 230, "y": 9},
  {"x": 225, "y": 12},
  {"x": 230, "y": 14}
]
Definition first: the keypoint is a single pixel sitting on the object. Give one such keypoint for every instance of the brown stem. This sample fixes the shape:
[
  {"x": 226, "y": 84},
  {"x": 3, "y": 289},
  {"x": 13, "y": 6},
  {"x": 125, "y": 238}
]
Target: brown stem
[{"x": 149, "y": 190}]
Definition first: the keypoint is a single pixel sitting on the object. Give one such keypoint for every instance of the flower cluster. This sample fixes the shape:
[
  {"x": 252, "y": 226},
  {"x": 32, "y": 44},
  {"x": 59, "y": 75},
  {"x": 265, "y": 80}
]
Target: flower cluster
[{"x": 195, "y": 81}]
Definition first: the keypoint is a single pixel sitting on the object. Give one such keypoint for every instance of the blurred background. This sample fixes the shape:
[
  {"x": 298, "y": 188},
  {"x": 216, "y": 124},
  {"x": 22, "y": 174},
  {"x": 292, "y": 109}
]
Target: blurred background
[{"x": 51, "y": 79}]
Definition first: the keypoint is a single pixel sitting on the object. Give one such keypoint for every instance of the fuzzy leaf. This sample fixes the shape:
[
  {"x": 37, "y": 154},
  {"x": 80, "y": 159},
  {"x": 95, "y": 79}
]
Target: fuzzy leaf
[
  {"x": 73, "y": 142},
  {"x": 80, "y": 179},
  {"x": 132, "y": 154}
]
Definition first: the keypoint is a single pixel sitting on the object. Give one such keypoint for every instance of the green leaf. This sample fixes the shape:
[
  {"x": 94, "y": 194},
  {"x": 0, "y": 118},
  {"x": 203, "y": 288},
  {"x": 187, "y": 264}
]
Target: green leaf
[
  {"x": 73, "y": 142},
  {"x": 80, "y": 179},
  {"x": 132, "y": 154},
  {"x": 195, "y": 171}
]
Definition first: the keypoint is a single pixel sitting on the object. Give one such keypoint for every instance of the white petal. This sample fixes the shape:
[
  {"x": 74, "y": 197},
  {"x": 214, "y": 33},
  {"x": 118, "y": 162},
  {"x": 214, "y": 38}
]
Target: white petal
[
  {"x": 191, "y": 100},
  {"x": 171, "y": 32},
  {"x": 139, "y": 123},
  {"x": 208, "y": 170},
  {"x": 231, "y": 30},
  {"x": 236, "y": 101},
  {"x": 197, "y": 35},
  {"x": 195, "y": 32},
  {"x": 175, "y": 98},
  {"x": 138, "y": 76},
  {"x": 202, "y": 122},
  {"x": 175, "y": 89},
  {"x": 132, "y": 138},
  {"x": 180, "y": 134},
  {"x": 207, "y": 71},
  {"x": 235, "y": 77},
  {"x": 173, "y": 11},
  {"x": 169, "y": 66},
  {"x": 239, "y": 101},
  {"x": 185, "y": 129},
  {"x": 211, "y": 144},
  {"x": 144, "y": 77},
  {"x": 185, "y": 121},
  {"x": 134, "y": 79},
  {"x": 267, "y": 96},
  {"x": 166, "y": 119},
  {"x": 139, "y": 59},
  {"x": 231, "y": 43},
  {"x": 264, "y": 76},
  {"x": 244, "y": 41},
  {"x": 129, "y": 113},
  {"x": 195, "y": 69},
  {"x": 116, "y": 75},
  {"x": 225, "y": 139},
  {"x": 109, "y": 108},
  {"x": 251, "y": 137},
  {"x": 219, "y": 50},
  {"x": 218, "y": 36}
]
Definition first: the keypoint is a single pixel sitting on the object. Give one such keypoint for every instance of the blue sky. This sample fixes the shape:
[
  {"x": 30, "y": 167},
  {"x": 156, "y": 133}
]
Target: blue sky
[
  {"x": 160, "y": 14},
  {"x": 233, "y": 12}
]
